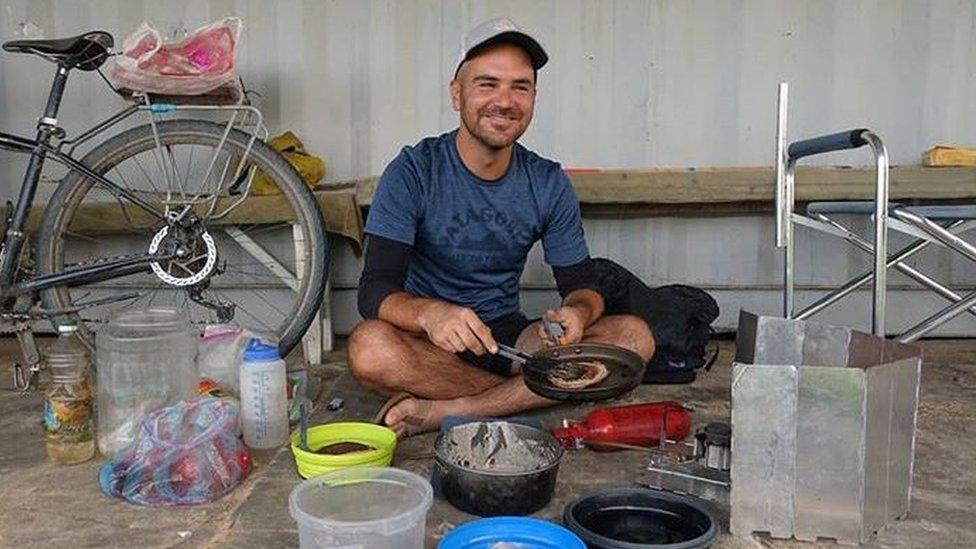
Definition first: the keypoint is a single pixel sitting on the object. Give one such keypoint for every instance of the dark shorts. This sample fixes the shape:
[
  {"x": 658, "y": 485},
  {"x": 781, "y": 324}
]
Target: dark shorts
[{"x": 505, "y": 330}]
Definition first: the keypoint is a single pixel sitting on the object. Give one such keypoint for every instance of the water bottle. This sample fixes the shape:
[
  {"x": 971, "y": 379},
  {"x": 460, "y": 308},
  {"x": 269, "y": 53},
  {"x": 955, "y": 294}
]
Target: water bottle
[
  {"x": 69, "y": 425},
  {"x": 264, "y": 398}
]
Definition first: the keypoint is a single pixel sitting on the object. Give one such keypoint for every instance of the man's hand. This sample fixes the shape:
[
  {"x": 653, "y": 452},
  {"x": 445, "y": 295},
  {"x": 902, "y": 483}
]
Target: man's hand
[
  {"x": 573, "y": 321},
  {"x": 455, "y": 328},
  {"x": 580, "y": 309}
]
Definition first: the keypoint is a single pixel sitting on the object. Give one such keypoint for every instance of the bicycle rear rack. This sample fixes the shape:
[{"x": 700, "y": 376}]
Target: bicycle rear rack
[
  {"x": 229, "y": 100},
  {"x": 242, "y": 109}
]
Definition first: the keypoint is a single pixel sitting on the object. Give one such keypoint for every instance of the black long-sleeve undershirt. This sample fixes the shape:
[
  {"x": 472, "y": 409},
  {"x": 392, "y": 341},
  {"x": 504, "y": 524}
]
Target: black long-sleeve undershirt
[{"x": 385, "y": 272}]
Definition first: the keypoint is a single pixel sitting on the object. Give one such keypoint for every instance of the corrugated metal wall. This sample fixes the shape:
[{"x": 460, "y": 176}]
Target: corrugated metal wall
[{"x": 630, "y": 84}]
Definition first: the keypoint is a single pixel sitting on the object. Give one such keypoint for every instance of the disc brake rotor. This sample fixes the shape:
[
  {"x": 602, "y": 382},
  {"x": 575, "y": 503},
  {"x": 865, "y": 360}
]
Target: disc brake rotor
[{"x": 186, "y": 265}]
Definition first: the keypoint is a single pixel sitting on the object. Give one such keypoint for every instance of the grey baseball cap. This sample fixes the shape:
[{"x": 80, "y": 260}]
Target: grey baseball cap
[{"x": 496, "y": 31}]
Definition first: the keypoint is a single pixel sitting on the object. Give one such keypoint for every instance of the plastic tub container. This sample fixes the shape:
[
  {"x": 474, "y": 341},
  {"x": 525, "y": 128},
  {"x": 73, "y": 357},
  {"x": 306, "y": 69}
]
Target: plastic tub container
[
  {"x": 311, "y": 464},
  {"x": 145, "y": 361},
  {"x": 362, "y": 508},
  {"x": 640, "y": 518},
  {"x": 524, "y": 533}
]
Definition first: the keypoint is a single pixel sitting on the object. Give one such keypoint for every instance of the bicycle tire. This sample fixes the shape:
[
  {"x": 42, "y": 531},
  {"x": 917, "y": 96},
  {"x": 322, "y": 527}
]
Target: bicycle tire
[{"x": 72, "y": 190}]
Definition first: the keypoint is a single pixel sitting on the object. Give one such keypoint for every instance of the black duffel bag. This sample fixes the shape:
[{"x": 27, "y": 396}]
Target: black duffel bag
[{"x": 680, "y": 318}]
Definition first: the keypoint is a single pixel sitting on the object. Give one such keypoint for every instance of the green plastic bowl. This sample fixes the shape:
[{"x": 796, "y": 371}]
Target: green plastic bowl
[{"x": 310, "y": 464}]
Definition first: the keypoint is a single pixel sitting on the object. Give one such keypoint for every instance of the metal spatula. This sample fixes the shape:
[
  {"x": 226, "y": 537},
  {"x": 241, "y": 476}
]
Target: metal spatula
[
  {"x": 543, "y": 366},
  {"x": 554, "y": 330}
]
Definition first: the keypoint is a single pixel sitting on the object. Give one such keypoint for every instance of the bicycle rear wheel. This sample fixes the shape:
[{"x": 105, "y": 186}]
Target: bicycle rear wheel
[{"x": 266, "y": 258}]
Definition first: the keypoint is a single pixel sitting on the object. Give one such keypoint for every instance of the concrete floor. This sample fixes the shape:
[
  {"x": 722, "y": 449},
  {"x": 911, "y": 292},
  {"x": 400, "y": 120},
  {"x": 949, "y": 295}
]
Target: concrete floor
[{"x": 44, "y": 505}]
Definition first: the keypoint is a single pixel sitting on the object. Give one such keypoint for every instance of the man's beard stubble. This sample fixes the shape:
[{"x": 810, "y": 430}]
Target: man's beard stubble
[{"x": 488, "y": 140}]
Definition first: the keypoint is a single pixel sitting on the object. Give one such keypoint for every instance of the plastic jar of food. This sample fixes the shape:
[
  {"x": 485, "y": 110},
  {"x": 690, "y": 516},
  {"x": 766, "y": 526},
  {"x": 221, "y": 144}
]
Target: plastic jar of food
[{"x": 145, "y": 361}]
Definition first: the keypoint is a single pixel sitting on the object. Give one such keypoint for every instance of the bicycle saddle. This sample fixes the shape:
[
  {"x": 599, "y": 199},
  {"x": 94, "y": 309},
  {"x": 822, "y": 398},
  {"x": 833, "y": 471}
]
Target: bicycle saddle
[{"x": 85, "y": 51}]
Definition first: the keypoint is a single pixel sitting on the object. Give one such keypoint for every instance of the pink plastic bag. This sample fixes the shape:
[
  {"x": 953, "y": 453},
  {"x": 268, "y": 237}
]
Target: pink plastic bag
[{"x": 199, "y": 63}]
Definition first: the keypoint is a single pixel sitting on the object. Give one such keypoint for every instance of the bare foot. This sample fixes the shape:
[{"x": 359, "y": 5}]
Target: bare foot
[{"x": 413, "y": 416}]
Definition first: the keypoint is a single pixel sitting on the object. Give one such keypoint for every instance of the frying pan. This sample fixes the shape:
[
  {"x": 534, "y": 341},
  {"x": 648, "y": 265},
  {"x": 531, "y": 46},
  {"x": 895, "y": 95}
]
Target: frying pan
[{"x": 625, "y": 369}]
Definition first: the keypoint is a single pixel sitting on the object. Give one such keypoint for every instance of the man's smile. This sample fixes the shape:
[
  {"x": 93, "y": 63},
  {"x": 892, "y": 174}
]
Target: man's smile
[{"x": 501, "y": 121}]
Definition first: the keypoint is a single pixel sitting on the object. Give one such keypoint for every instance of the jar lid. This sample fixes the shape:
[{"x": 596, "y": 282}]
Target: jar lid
[
  {"x": 156, "y": 317},
  {"x": 258, "y": 351},
  {"x": 141, "y": 324}
]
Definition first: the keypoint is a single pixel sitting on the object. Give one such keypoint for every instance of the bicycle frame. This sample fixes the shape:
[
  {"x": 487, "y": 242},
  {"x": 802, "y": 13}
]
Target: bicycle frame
[
  {"x": 40, "y": 149},
  {"x": 187, "y": 212}
]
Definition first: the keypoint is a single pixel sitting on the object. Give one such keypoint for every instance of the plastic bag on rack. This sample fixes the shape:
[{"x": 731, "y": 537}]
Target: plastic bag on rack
[
  {"x": 183, "y": 454},
  {"x": 200, "y": 62}
]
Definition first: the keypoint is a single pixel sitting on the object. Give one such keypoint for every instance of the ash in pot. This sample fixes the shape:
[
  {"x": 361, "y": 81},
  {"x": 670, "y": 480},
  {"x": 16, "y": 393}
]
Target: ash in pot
[{"x": 498, "y": 447}]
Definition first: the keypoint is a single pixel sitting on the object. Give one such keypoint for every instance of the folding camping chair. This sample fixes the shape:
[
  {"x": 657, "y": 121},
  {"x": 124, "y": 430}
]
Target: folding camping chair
[{"x": 941, "y": 225}]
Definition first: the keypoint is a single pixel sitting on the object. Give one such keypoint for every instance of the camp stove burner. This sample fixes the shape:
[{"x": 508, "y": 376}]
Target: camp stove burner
[
  {"x": 713, "y": 446},
  {"x": 698, "y": 468}
]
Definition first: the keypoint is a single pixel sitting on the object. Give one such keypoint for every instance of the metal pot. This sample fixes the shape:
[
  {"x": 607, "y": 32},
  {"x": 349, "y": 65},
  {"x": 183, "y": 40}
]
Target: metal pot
[{"x": 492, "y": 493}]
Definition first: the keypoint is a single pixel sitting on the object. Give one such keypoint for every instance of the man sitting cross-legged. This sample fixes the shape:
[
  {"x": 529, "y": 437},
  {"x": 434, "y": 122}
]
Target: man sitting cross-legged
[{"x": 449, "y": 229}]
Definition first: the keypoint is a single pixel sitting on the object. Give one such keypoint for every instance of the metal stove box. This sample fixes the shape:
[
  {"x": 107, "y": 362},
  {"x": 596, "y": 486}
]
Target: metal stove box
[{"x": 823, "y": 430}]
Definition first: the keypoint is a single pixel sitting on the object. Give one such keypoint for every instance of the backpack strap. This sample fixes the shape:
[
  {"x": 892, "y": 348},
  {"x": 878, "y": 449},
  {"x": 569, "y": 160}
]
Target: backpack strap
[{"x": 711, "y": 361}]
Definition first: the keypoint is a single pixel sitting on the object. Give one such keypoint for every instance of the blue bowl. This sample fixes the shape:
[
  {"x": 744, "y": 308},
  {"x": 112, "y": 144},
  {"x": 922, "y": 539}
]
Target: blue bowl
[{"x": 527, "y": 532}]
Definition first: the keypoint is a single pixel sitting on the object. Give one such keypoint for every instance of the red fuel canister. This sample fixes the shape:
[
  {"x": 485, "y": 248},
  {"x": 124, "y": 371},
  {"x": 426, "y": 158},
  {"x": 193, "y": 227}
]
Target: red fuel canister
[{"x": 632, "y": 425}]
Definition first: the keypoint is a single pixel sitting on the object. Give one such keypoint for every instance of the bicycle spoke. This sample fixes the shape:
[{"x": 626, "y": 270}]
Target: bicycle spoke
[
  {"x": 160, "y": 165},
  {"x": 122, "y": 177},
  {"x": 125, "y": 212},
  {"x": 146, "y": 175},
  {"x": 252, "y": 231},
  {"x": 256, "y": 274},
  {"x": 82, "y": 236},
  {"x": 189, "y": 165},
  {"x": 270, "y": 304},
  {"x": 152, "y": 296},
  {"x": 253, "y": 262},
  {"x": 131, "y": 303},
  {"x": 186, "y": 300},
  {"x": 244, "y": 310},
  {"x": 176, "y": 172}
]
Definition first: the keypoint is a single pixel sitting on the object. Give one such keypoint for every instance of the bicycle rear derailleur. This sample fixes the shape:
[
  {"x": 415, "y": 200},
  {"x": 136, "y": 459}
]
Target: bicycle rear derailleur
[{"x": 224, "y": 309}]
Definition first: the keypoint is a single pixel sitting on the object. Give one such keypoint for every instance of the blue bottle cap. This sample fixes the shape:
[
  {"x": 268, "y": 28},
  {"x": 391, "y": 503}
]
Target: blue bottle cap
[{"x": 258, "y": 351}]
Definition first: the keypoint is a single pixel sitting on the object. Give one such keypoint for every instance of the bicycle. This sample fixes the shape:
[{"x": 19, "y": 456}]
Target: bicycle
[{"x": 192, "y": 236}]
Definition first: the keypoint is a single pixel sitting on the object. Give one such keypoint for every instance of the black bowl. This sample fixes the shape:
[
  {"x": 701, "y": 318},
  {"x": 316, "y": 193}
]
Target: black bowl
[
  {"x": 491, "y": 493},
  {"x": 640, "y": 518}
]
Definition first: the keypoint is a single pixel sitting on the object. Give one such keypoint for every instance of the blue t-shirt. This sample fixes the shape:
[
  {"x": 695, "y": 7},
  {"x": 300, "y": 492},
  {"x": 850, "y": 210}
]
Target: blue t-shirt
[{"x": 470, "y": 236}]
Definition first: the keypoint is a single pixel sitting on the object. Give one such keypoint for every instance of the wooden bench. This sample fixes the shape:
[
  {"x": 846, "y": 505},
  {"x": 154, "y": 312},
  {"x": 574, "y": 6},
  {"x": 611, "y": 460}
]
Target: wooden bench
[
  {"x": 637, "y": 193},
  {"x": 678, "y": 191}
]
